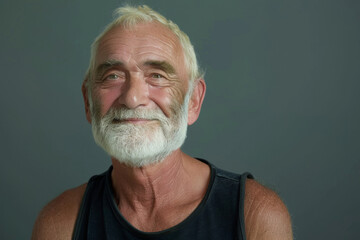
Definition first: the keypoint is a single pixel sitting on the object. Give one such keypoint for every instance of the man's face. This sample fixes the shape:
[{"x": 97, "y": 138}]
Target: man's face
[{"x": 139, "y": 113}]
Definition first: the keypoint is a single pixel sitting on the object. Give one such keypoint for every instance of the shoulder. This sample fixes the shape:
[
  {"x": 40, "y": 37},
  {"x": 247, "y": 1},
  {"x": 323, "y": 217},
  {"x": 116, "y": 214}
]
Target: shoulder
[
  {"x": 57, "y": 219},
  {"x": 266, "y": 216}
]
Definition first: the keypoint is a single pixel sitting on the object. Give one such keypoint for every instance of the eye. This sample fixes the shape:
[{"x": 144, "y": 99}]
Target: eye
[
  {"x": 157, "y": 76},
  {"x": 157, "y": 79},
  {"x": 112, "y": 76}
]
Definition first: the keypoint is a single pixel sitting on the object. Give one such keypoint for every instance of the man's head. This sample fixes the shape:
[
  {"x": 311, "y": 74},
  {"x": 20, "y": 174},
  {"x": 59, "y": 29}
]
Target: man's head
[
  {"x": 128, "y": 17},
  {"x": 142, "y": 87}
]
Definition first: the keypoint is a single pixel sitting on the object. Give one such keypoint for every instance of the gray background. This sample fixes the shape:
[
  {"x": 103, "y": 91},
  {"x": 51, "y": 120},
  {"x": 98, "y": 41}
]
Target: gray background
[{"x": 282, "y": 102}]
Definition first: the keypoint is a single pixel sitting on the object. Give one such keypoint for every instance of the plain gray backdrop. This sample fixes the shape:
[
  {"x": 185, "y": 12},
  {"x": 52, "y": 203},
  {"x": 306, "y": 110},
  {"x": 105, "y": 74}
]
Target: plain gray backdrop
[{"x": 282, "y": 102}]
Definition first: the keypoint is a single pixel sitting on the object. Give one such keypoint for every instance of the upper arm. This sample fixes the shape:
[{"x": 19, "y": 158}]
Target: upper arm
[
  {"x": 266, "y": 216},
  {"x": 57, "y": 219}
]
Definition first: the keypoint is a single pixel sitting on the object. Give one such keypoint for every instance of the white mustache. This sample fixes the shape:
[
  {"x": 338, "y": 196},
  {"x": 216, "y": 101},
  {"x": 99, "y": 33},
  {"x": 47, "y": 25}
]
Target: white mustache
[{"x": 125, "y": 113}]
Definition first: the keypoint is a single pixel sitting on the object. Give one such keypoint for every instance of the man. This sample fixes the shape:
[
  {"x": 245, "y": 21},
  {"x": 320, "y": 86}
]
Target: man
[{"x": 142, "y": 89}]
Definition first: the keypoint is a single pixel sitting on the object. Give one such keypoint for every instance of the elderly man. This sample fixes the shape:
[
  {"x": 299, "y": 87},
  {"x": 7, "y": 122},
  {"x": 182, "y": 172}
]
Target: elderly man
[{"x": 142, "y": 89}]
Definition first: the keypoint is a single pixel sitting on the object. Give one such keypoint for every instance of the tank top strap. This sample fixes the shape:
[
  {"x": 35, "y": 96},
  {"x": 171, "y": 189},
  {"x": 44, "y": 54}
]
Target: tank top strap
[
  {"x": 243, "y": 178},
  {"x": 94, "y": 187}
]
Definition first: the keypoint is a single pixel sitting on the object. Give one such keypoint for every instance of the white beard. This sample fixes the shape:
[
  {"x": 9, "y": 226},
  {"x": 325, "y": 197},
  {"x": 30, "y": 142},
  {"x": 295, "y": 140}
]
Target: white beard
[{"x": 139, "y": 145}]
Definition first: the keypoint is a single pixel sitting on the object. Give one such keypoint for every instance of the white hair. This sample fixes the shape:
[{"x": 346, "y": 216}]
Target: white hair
[{"x": 129, "y": 17}]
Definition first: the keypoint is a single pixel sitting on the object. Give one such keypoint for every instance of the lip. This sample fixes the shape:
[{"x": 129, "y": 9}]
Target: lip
[{"x": 132, "y": 120}]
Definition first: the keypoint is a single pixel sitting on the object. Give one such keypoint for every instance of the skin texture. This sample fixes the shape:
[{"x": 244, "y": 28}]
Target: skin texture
[
  {"x": 266, "y": 216},
  {"x": 126, "y": 76},
  {"x": 134, "y": 82}
]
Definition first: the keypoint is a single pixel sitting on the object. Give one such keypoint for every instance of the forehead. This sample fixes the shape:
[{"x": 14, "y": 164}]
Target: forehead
[{"x": 142, "y": 42}]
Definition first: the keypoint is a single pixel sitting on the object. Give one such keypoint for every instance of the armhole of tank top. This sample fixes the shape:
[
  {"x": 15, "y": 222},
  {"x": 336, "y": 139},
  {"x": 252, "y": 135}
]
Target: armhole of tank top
[
  {"x": 80, "y": 216},
  {"x": 243, "y": 178}
]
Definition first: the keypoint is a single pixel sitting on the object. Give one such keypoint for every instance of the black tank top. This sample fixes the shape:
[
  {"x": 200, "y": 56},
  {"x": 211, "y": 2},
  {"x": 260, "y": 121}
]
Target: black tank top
[{"x": 220, "y": 215}]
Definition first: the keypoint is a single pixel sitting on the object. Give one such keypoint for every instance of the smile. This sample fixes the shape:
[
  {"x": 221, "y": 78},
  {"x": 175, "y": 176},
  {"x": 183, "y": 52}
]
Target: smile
[{"x": 132, "y": 120}]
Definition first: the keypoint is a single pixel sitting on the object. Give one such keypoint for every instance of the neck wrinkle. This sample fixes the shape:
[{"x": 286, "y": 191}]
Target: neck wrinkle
[{"x": 150, "y": 187}]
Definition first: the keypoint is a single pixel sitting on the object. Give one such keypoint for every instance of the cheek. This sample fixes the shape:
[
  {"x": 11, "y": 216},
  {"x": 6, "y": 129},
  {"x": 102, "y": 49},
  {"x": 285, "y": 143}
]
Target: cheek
[
  {"x": 168, "y": 99},
  {"x": 161, "y": 98},
  {"x": 105, "y": 99}
]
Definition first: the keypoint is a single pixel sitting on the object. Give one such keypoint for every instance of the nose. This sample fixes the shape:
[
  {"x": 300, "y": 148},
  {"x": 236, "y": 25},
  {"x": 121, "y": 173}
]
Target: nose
[{"x": 135, "y": 93}]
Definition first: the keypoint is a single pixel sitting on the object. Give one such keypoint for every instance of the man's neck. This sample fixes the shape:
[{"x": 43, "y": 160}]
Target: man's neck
[
  {"x": 146, "y": 184},
  {"x": 150, "y": 191}
]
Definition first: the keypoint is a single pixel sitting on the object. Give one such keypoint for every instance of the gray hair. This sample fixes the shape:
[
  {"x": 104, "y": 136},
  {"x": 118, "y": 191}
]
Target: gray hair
[{"x": 130, "y": 16}]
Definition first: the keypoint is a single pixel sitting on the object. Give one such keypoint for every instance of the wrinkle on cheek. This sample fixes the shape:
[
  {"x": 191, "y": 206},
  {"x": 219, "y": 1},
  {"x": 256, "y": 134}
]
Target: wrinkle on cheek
[
  {"x": 161, "y": 98},
  {"x": 177, "y": 99},
  {"x": 169, "y": 99}
]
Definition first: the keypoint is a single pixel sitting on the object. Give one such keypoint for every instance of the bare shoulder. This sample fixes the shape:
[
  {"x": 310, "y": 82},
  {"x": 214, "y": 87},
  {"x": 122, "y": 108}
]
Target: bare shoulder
[
  {"x": 266, "y": 216},
  {"x": 57, "y": 219}
]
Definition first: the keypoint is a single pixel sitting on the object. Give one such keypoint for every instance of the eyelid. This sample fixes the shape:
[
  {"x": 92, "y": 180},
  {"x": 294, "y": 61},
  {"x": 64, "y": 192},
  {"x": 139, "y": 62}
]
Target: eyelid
[
  {"x": 155, "y": 73},
  {"x": 160, "y": 82},
  {"x": 114, "y": 75},
  {"x": 119, "y": 74}
]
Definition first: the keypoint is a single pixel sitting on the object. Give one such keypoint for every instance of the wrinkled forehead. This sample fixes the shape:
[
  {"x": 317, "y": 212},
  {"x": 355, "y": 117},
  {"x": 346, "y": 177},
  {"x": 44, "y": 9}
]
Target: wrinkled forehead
[{"x": 146, "y": 38}]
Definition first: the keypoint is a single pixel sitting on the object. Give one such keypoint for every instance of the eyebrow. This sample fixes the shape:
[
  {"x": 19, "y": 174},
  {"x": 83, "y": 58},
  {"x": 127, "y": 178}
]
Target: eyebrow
[
  {"x": 162, "y": 65},
  {"x": 107, "y": 65}
]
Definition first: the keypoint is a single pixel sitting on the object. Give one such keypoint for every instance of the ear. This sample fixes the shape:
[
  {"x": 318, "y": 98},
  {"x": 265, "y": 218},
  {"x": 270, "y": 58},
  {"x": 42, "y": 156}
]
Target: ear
[
  {"x": 84, "y": 91},
  {"x": 196, "y": 100}
]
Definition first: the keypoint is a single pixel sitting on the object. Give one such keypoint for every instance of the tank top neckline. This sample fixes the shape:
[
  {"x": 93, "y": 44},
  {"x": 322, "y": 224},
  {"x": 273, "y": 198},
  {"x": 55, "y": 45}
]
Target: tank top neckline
[{"x": 121, "y": 219}]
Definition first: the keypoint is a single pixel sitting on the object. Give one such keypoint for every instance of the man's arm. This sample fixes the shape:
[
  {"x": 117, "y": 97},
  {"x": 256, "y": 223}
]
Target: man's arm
[
  {"x": 57, "y": 219},
  {"x": 266, "y": 216}
]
